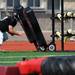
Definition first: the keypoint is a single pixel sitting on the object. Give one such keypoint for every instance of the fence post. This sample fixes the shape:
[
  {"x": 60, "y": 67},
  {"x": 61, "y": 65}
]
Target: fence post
[
  {"x": 53, "y": 21},
  {"x": 62, "y": 25}
]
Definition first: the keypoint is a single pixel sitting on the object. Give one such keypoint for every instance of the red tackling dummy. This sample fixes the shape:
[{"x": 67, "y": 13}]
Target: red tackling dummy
[{"x": 32, "y": 66}]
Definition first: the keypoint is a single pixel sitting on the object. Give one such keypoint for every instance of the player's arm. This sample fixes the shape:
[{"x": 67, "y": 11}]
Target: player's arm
[{"x": 11, "y": 31}]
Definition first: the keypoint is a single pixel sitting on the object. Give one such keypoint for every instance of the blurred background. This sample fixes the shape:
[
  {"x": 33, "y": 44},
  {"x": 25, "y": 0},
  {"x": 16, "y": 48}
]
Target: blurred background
[{"x": 42, "y": 9}]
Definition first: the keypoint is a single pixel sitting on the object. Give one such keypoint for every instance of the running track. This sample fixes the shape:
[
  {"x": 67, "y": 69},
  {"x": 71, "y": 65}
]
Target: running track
[{"x": 26, "y": 46}]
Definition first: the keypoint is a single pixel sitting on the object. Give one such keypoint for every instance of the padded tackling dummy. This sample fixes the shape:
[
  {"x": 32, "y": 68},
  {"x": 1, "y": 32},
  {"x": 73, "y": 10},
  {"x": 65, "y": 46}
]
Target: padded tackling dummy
[
  {"x": 56, "y": 65},
  {"x": 35, "y": 25},
  {"x": 60, "y": 65},
  {"x": 31, "y": 26},
  {"x": 30, "y": 67},
  {"x": 25, "y": 24}
]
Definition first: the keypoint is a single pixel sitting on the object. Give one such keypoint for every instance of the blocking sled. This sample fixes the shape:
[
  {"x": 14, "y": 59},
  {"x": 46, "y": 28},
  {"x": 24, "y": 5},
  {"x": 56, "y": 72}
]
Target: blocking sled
[{"x": 31, "y": 27}]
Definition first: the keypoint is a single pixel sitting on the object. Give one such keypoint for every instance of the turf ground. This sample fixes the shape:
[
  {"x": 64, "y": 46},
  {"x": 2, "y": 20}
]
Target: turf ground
[
  {"x": 13, "y": 52},
  {"x": 11, "y": 58}
]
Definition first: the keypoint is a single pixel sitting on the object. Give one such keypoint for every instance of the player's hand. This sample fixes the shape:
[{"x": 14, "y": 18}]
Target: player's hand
[{"x": 21, "y": 34}]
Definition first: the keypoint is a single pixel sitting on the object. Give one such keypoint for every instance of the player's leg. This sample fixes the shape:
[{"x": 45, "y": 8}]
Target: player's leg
[
  {"x": 5, "y": 36},
  {"x": 1, "y": 38}
]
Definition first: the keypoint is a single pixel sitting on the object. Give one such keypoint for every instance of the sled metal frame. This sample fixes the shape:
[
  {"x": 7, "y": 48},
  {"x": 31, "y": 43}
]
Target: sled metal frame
[
  {"x": 53, "y": 22},
  {"x": 62, "y": 24}
]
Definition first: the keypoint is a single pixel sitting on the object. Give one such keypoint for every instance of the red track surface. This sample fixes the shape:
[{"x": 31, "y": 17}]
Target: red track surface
[
  {"x": 17, "y": 46},
  {"x": 26, "y": 46}
]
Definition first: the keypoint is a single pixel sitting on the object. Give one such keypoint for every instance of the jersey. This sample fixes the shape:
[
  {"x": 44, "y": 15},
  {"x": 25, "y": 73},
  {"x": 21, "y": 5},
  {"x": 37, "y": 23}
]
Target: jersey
[{"x": 4, "y": 24}]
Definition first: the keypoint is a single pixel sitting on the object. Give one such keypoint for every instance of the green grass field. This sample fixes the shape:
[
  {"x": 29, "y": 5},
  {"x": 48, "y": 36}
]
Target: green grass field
[{"x": 11, "y": 58}]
